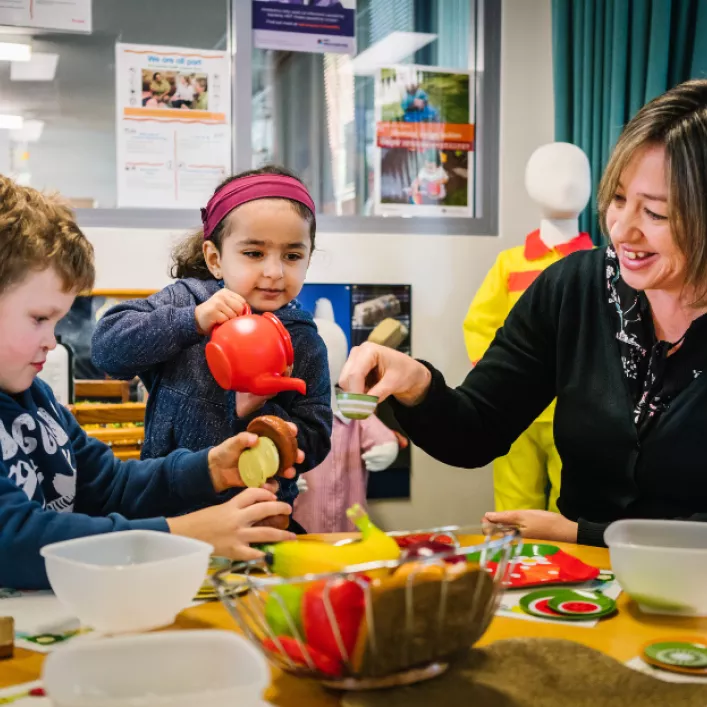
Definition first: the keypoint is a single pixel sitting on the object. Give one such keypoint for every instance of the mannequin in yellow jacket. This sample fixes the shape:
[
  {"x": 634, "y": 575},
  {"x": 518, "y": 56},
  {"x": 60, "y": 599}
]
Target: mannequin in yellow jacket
[{"x": 558, "y": 179}]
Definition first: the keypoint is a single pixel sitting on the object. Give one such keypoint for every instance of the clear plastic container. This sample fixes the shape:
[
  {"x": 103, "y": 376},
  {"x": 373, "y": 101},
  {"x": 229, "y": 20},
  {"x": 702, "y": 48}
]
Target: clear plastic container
[
  {"x": 164, "y": 669},
  {"x": 661, "y": 564},
  {"x": 135, "y": 580}
]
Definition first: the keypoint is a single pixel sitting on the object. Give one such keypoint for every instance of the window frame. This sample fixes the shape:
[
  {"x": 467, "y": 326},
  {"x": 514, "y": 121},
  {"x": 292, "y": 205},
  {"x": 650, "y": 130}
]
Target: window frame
[{"x": 240, "y": 48}]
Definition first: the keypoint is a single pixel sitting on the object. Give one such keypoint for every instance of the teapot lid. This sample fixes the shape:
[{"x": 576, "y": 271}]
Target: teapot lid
[{"x": 285, "y": 335}]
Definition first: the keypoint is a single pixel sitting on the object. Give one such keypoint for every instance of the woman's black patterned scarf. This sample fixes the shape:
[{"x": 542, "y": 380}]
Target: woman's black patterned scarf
[{"x": 654, "y": 376}]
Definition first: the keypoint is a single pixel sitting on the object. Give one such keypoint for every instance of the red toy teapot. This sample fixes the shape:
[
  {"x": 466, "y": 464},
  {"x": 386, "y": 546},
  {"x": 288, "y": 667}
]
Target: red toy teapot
[{"x": 251, "y": 354}]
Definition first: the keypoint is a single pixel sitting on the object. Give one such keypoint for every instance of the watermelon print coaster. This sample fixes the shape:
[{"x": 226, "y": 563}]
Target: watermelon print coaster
[
  {"x": 537, "y": 604},
  {"x": 681, "y": 655},
  {"x": 545, "y": 603}
]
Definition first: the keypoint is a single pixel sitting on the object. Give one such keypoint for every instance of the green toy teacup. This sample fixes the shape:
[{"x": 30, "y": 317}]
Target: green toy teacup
[{"x": 356, "y": 406}]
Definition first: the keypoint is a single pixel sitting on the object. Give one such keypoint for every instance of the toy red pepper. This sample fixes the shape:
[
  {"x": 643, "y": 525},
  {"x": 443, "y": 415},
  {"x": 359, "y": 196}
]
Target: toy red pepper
[
  {"x": 291, "y": 646},
  {"x": 348, "y": 606}
]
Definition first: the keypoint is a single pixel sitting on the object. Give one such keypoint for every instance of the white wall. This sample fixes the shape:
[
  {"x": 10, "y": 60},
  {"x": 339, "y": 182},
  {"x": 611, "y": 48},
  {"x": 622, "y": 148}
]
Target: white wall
[
  {"x": 91, "y": 171},
  {"x": 527, "y": 108},
  {"x": 444, "y": 271}
]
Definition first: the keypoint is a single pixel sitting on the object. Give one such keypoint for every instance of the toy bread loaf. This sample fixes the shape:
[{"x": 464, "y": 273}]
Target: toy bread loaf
[{"x": 390, "y": 332}]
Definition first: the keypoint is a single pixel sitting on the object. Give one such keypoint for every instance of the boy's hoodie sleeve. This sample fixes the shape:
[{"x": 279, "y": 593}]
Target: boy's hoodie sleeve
[
  {"x": 110, "y": 496},
  {"x": 312, "y": 412},
  {"x": 136, "y": 335},
  {"x": 138, "y": 488},
  {"x": 25, "y": 528}
]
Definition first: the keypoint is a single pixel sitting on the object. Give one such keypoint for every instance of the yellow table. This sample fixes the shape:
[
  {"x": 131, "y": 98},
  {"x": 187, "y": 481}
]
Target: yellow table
[{"x": 620, "y": 637}]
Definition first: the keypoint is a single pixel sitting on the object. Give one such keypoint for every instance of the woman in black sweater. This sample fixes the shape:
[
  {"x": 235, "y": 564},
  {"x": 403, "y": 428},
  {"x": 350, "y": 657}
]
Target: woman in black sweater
[{"x": 617, "y": 334}]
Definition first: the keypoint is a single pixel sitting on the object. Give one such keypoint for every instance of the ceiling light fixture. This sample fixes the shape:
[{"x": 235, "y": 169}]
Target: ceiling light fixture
[
  {"x": 389, "y": 51},
  {"x": 41, "y": 67},
  {"x": 10, "y": 51},
  {"x": 11, "y": 122},
  {"x": 31, "y": 131}
]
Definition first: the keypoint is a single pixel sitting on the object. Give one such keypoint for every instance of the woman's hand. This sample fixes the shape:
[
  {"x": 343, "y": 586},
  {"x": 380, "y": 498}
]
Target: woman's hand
[
  {"x": 538, "y": 525},
  {"x": 223, "y": 462},
  {"x": 382, "y": 371},
  {"x": 219, "y": 308},
  {"x": 233, "y": 526}
]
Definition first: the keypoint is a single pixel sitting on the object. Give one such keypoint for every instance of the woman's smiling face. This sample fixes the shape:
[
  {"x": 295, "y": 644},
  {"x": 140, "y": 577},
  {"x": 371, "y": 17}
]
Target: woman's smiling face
[{"x": 639, "y": 227}]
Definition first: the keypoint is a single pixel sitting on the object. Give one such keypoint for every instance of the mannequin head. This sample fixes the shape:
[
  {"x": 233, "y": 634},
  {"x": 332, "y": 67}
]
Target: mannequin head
[
  {"x": 335, "y": 340},
  {"x": 558, "y": 180}
]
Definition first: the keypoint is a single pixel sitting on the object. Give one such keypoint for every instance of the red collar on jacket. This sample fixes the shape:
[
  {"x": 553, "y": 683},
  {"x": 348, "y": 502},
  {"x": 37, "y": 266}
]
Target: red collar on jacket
[{"x": 536, "y": 249}]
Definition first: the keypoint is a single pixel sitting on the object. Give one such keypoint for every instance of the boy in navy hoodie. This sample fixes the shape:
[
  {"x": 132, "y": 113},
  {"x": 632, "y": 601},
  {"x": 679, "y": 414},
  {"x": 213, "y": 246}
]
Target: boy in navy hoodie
[{"x": 57, "y": 483}]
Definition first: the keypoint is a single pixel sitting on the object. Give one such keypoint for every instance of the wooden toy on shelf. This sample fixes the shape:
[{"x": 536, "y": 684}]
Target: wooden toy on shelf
[
  {"x": 119, "y": 425},
  {"x": 100, "y": 389}
]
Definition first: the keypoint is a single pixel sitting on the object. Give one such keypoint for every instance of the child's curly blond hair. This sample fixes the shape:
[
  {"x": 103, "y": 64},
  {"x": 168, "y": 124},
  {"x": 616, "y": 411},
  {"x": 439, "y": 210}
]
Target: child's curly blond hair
[{"x": 38, "y": 231}]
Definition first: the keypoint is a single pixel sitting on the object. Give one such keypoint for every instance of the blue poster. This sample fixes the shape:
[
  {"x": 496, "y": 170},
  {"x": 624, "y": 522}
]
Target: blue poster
[
  {"x": 315, "y": 26},
  {"x": 338, "y": 295}
]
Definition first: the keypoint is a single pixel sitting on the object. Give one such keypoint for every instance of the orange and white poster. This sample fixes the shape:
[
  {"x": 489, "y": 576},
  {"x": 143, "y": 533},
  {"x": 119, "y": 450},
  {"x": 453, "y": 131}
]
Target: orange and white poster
[
  {"x": 173, "y": 125},
  {"x": 425, "y": 142}
]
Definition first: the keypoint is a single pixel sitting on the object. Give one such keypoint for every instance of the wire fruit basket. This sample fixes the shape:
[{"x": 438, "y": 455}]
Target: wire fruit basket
[{"x": 377, "y": 624}]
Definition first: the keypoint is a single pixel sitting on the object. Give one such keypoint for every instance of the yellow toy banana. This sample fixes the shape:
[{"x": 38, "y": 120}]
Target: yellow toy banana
[{"x": 299, "y": 557}]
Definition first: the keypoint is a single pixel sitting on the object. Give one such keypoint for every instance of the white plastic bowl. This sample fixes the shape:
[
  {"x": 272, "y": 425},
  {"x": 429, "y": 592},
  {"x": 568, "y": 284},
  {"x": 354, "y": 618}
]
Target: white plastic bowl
[
  {"x": 661, "y": 564},
  {"x": 135, "y": 580},
  {"x": 170, "y": 668}
]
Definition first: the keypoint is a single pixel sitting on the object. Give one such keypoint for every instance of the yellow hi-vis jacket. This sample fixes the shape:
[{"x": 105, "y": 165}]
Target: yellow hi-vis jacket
[{"x": 513, "y": 272}]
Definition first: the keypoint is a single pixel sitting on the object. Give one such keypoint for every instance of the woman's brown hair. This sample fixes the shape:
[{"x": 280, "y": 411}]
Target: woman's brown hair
[
  {"x": 677, "y": 120},
  {"x": 188, "y": 256},
  {"x": 38, "y": 231}
]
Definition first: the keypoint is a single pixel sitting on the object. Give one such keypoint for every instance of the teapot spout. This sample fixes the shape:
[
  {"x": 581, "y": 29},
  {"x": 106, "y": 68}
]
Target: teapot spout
[{"x": 269, "y": 384}]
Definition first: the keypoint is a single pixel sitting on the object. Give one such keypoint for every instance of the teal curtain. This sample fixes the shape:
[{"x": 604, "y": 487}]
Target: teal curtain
[
  {"x": 610, "y": 57},
  {"x": 454, "y": 22}
]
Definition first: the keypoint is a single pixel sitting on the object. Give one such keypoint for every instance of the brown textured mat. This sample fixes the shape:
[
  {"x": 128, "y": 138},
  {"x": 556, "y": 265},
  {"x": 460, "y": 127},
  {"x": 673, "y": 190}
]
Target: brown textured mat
[{"x": 536, "y": 672}]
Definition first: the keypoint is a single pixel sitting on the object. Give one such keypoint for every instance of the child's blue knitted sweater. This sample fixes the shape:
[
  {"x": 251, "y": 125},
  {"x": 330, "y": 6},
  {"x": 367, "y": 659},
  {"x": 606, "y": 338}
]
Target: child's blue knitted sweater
[{"x": 157, "y": 339}]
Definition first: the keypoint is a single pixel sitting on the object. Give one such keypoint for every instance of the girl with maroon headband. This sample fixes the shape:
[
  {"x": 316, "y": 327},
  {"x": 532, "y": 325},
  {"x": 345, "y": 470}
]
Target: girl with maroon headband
[{"x": 255, "y": 247}]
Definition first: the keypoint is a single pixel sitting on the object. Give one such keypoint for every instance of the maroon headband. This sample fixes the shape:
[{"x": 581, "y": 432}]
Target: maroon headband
[{"x": 245, "y": 189}]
